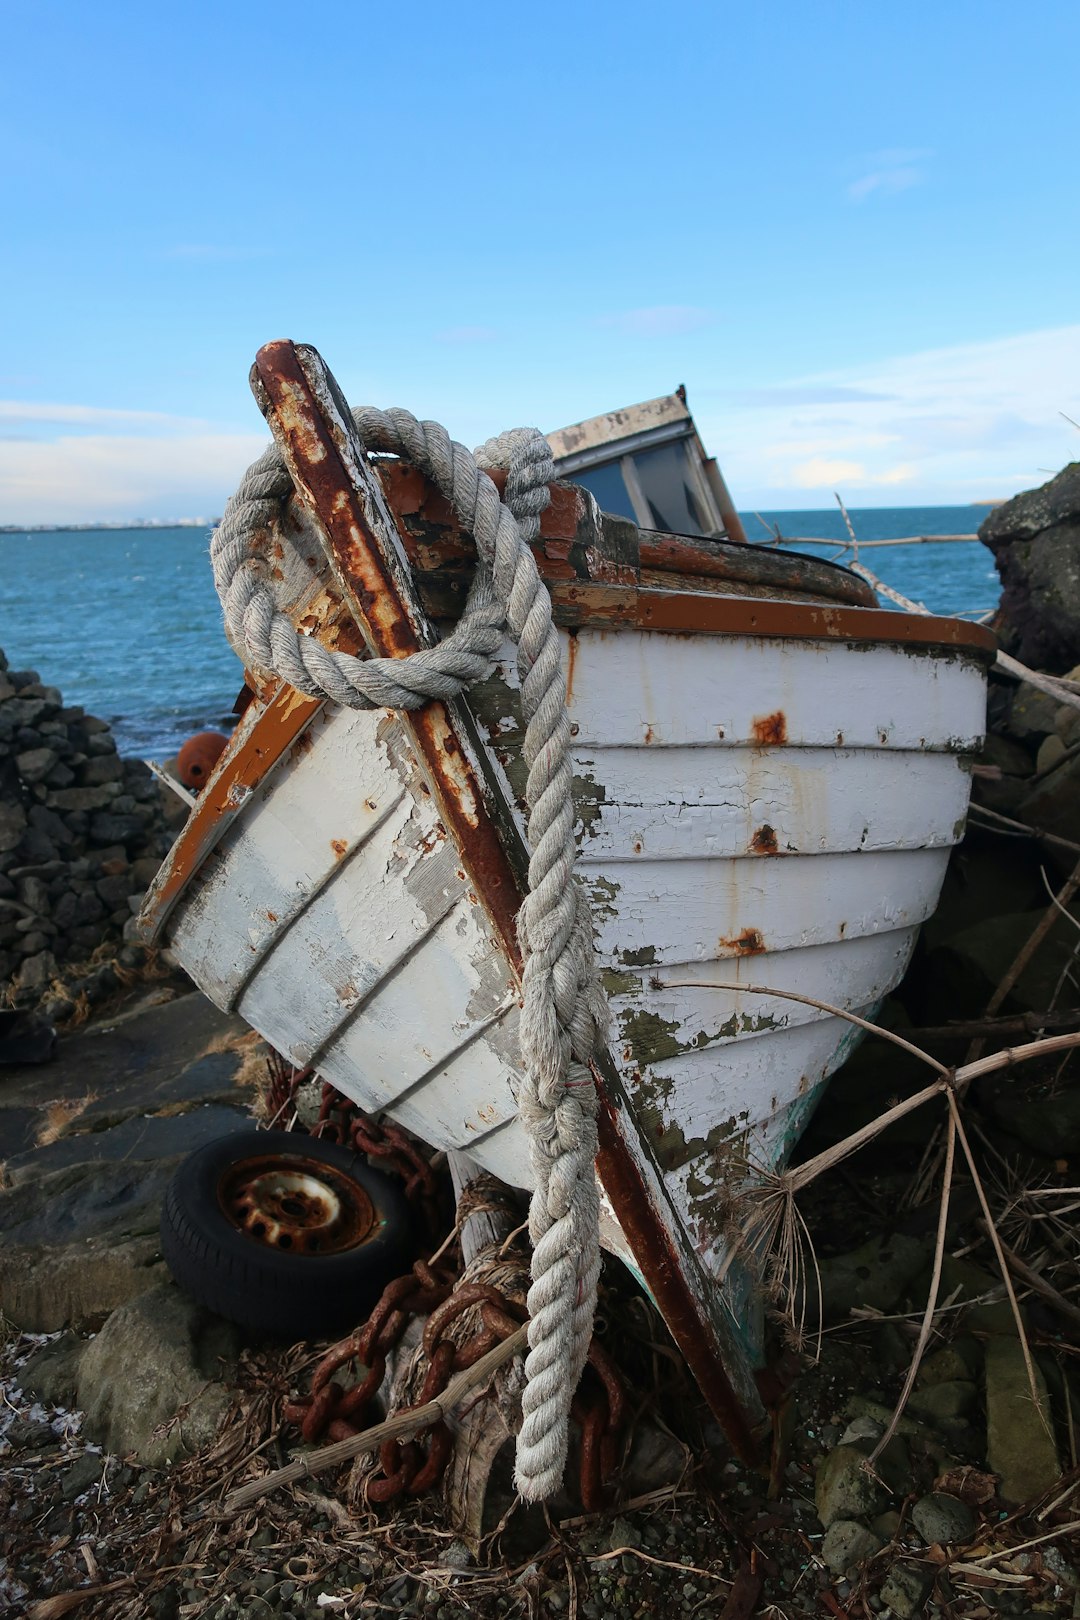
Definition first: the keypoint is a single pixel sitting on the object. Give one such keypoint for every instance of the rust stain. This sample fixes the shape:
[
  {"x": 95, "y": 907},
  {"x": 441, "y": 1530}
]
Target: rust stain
[
  {"x": 648, "y": 735},
  {"x": 571, "y": 663},
  {"x": 764, "y": 841},
  {"x": 749, "y": 943},
  {"x": 770, "y": 729},
  {"x": 271, "y": 916},
  {"x": 339, "y": 846},
  {"x": 370, "y": 804}
]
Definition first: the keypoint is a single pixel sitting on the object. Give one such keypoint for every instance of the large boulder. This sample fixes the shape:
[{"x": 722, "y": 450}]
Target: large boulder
[{"x": 1035, "y": 539}]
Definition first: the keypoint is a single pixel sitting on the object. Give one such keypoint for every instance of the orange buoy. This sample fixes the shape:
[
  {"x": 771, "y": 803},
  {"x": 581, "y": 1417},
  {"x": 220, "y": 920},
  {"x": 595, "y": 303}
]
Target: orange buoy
[{"x": 198, "y": 757}]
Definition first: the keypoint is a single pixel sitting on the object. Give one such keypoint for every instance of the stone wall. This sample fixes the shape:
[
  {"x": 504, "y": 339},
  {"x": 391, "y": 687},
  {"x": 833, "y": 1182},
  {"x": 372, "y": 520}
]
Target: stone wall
[{"x": 82, "y": 833}]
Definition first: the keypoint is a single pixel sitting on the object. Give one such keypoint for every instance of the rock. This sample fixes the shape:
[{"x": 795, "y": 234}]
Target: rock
[
  {"x": 1051, "y": 752},
  {"x": 81, "y": 1476},
  {"x": 1020, "y": 1442},
  {"x": 34, "y": 764},
  {"x": 1054, "y": 803},
  {"x": 1035, "y": 539},
  {"x": 844, "y": 1489},
  {"x": 156, "y": 1358},
  {"x": 12, "y": 825},
  {"x": 28, "y": 1434},
  {"x": 100, "y": 769},
  {"x": 51, "y": 1373},
  {"x": 1047, "y": 1124},
  {"x": 115, "y": 829},
  {"x": 905, "y": 1590},
  {"x": 961, "y": 1280},
  {"x": 953, "y": 1398},
  {"x": 875, "y": 1274},
  {"x": 81, "y": 798},
  {"x": 848, "y": 1544},
  {"x": 943, "y": 1519},
  {"x": 37, "y": 971},
  {"x": 1010, "y": 757},
  {"x": 1032, "y": 715},
  {"x": 962, "y": 1359},
  {"x": 973, "y": 961}
]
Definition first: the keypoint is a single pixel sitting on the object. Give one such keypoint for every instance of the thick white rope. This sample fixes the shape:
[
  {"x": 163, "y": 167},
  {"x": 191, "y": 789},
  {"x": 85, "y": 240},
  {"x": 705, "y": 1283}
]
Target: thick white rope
[{"x": 564, "y": 1016}]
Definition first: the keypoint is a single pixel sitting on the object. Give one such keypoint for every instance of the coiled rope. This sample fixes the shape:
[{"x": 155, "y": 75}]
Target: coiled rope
[{"x": 564, "y": 1016}]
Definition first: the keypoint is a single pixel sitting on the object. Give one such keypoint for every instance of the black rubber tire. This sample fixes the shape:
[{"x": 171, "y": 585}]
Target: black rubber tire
[{"x": 280, "y": 1295}]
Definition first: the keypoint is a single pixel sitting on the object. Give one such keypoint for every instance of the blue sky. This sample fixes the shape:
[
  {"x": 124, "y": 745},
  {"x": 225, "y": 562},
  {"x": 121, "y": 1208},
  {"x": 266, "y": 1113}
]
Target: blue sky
[{"x": 850, "y": 229}]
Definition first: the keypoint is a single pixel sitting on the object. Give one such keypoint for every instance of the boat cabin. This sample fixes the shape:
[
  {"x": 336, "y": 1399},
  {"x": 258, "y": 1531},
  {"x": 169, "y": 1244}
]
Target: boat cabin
[{"x": 647, "y": 463}]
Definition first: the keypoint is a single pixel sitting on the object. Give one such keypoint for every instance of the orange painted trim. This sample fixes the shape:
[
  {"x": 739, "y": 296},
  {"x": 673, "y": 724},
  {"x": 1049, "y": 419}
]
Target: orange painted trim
[
  {"x": 257, "y": 745},
  {"x": 699, "y": 613}
]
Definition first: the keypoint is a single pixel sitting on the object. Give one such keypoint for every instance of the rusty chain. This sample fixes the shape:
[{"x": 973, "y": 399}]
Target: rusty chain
[{"x": 335, "y": 1412}]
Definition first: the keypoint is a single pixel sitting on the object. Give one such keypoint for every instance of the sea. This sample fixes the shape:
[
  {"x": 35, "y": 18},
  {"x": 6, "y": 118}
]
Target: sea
[{"x": 126, "y": 621}]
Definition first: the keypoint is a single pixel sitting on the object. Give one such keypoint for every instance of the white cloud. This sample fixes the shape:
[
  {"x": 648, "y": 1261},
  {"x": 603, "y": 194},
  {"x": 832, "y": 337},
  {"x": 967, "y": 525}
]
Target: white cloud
[
  {"x": 974, "y": 422},
  {"x": 80, "y": 479},
  {"x": 889, "y": 172},
  {"x": 659, "y": 320},
  {"x": 16, "y": 410}
]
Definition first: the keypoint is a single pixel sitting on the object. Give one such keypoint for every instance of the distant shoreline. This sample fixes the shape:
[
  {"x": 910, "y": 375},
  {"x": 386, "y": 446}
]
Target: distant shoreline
[{"x": 97, "y": 528}]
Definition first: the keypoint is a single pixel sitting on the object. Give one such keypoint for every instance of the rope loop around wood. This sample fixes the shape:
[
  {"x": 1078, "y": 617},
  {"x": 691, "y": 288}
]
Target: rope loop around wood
[{"x": 564, "y": 1016}]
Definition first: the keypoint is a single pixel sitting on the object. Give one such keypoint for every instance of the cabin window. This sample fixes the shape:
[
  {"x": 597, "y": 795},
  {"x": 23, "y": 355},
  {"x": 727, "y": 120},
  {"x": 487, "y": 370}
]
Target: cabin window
[
  {"x": 666, "y": 480},
  {"x": 606, "y": 484}
]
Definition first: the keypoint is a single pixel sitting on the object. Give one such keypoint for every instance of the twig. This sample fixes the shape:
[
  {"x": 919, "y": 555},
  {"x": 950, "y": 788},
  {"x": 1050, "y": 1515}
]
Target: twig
[
  {"x": 805, "y": 1173},
  {"x": 1024, "y": 827},
  {"x": 1029, "y": 1023},
  {"x": 931, "y": 1299},
  {"x": 394, "y": 1428},
  {"x": 992, "y": 1234},
  {"x": 665, "y": 1563},
  {"x": 1010, "y": 1552},
  {"x": 1057, "y": 686},
  {"x": 1035, "y": 1279}
]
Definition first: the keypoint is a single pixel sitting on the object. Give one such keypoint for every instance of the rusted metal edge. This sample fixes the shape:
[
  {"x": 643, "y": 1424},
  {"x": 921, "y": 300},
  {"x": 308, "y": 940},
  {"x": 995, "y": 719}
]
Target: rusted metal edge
[
  {"x": 314, "y": 431},
  {"x": 741, "y": 615},
  {"x": 257, "y": 745},
  {"x": 333, "y": 478}
]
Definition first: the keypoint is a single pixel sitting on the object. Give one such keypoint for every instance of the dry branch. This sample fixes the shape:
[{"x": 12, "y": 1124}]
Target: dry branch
[{"x": 399, "y": 1427}]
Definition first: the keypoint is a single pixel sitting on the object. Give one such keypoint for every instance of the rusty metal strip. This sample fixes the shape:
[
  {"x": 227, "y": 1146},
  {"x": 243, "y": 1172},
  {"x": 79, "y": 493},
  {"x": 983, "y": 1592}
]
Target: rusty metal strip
[
  {"x": 315, "y": 434},
  {"x": 697, "y": 613},
  {"x": 333, "y": 478},
  {"x": 259, "y": 742}
]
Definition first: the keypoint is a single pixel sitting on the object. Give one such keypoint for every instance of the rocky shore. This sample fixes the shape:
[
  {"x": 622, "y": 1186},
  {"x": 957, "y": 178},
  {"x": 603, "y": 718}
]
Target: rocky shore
[
  {"x": 82, "y": 833},
  {"x": 128, "y": 1412}
]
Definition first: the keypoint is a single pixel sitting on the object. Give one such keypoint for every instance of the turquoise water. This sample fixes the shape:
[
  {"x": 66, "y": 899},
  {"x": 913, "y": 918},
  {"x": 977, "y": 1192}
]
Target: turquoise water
[{"x": 126, "y": 621}]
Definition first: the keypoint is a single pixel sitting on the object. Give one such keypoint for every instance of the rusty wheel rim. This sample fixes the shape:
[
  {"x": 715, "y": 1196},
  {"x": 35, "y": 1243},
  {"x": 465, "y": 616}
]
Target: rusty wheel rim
[{"x": 296, "y": 1205}]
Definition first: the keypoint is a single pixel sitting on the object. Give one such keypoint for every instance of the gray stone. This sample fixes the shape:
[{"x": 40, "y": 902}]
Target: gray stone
[
  {"x": 943, "y": 1519},
  {"x": 153, "y": 1366},
  {"x": 905, "y": 1590},
  {"x": 51, "y": 1373},
  {"x": 876, "y": 1275},
  {"x": 82, "y": 798},
  {"x": 100, "y": 769},
  {"x": 34, "y": 893},
  {"x": 845, "y": 1489},
  {"x": 847, "y": 1544},
  {"x": 81, "y": 1476},
  {"x": 962, "y": 1359},
  {"x": 27, "y": 1434},
  {"x": 34, "y": 764},
  {"x": 1020, "y": 1445},
  {"x": 1035, "y": 539},
  {"x": 37, "y": 970},
  {"x": 115, "y": 829},
  {"x": 953, "y": 1398},
  {"x": 12, "y": 825}
]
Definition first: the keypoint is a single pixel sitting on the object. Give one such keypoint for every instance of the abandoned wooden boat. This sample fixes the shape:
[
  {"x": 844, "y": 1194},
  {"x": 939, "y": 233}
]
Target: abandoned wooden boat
[{"x": 770, "y": 772}]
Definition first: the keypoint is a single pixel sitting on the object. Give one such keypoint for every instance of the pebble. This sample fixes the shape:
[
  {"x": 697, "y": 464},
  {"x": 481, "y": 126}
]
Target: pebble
[
  {"x": 848, "y": 1544},
  {"x": 940, "y": 1518}
]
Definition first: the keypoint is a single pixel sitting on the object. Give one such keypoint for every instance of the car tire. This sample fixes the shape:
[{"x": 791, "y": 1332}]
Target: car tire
[{"x": 287, "y": 1235}]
